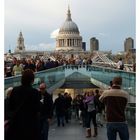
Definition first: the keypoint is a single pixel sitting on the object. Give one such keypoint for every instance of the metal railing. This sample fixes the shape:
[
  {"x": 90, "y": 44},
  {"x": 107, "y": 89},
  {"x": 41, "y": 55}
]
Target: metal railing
[{"x": 102, "y": 74}]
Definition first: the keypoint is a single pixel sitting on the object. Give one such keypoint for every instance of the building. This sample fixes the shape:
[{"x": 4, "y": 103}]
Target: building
[
  {"x": 69, "y": 38},
  {"x": 84, "y": 46},
  {"x": 20, "y": 44},
  {"x": 94, "y": 44},
  {"x": 128, "y": 44}
]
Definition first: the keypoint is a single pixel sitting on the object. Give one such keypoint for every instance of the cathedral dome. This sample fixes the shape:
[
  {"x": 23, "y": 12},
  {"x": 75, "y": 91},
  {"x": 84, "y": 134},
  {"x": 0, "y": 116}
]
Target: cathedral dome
[
  {"x": 69, "y": 25},
  {"x": 69, "y": 38}
]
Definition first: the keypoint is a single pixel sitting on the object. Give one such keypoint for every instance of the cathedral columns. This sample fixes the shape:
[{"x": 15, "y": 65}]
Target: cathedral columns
[
  {"x": 68, "y": 42},
  {"x": 64, "y": 42},
  {"x": 72, "y": 42}
]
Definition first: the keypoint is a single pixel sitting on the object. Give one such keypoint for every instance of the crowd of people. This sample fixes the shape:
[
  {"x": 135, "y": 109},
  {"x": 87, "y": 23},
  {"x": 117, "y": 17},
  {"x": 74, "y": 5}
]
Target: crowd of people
[
  {"x": 16, "y": 66},
  {"x": 87, "y": 107},
  {"x": 39, "y": 63},
  {"x": 29, "y": 111}
]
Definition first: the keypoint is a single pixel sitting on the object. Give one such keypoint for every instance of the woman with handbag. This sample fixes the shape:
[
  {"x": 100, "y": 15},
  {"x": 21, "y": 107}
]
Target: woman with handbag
[{"x": 91, "y": 104}]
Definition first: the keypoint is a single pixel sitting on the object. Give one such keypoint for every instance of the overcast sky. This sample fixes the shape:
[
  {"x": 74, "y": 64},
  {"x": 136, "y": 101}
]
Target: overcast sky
[{"x": 110, "y": 21}]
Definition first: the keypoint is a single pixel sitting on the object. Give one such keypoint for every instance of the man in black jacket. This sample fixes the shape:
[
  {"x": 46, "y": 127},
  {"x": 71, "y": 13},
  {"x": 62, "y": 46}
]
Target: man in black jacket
[
  {"x": 23, "y": 110},
  {"x": 46, "y": 114},
  {"x": 60, "y": 108}
]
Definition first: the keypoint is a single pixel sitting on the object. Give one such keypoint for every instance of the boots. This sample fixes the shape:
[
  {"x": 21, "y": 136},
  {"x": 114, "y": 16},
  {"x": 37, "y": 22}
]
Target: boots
[
  {"x": 95, "y": 132},
  {"x": 88, "y": 132}
]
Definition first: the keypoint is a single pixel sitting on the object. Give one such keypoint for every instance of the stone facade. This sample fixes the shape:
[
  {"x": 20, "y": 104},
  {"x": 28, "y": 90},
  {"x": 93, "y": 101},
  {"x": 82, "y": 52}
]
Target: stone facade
[{"x": 20, "y": 44}]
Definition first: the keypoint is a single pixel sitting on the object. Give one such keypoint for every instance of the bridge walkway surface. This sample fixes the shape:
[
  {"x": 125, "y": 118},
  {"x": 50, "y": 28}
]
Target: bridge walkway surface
[{"x": 74, "y": 131}]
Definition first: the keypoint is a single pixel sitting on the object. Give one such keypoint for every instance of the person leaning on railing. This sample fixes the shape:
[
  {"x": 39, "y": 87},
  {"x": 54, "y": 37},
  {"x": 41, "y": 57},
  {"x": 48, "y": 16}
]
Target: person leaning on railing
[{"x": 17, "y": 69}]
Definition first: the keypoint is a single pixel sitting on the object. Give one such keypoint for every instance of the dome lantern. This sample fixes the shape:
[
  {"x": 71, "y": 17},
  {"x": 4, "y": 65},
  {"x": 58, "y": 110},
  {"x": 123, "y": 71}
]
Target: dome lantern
[
  {"x": 69, "y": 15},
  {"x": 69, "y": 25}
]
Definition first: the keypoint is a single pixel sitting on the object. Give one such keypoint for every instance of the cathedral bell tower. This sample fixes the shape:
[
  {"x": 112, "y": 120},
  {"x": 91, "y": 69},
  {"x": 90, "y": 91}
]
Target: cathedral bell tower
[{"x": 20, "y": 43}]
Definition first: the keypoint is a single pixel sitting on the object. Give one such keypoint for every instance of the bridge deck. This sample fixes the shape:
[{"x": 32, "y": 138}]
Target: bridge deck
[{"x": 75, "y": 131}]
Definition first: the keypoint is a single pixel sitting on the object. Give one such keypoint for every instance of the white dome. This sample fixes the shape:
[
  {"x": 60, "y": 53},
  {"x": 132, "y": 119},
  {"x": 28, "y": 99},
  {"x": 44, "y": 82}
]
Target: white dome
[
  {"x": 69, "y": 38},
  {"x": 69, "y": 25}
]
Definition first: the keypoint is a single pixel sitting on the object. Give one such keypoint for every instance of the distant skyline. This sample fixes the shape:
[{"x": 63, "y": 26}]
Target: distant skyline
[{"x": 110, "y": 21}]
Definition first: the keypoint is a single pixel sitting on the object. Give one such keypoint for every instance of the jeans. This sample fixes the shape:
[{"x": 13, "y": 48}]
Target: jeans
[
  {"x": 120, "y": 127},
  {"x": 60, "y": 120},
  {"x": 91, "y": 116},
  {"x": 66, "y": 116},
  {"x": 44, "y": 129}
]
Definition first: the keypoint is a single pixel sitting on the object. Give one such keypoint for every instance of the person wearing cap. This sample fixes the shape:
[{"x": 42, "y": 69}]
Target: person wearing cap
[
  {"x": 46, "y": 110},
  {"x": 115, "y": 100}
]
